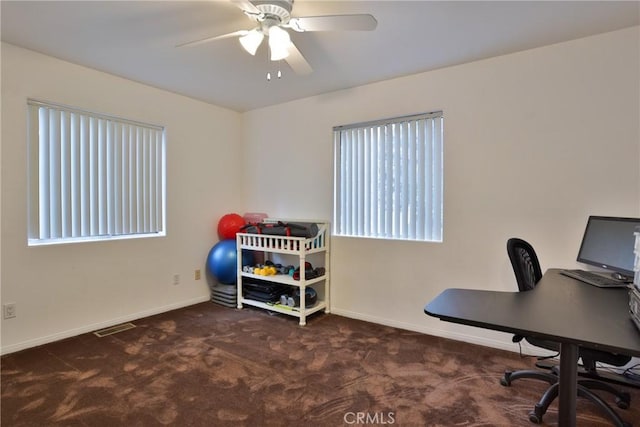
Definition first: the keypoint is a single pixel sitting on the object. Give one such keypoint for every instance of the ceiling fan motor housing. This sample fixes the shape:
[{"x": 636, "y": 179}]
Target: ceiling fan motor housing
[{"x": 275, "y": 9}]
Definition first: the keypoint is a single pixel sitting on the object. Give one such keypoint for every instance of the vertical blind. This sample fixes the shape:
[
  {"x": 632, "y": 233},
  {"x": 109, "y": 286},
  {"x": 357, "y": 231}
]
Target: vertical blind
[
  {"x": 93, "y": 176},
  {"x": 388, "y": 178}
]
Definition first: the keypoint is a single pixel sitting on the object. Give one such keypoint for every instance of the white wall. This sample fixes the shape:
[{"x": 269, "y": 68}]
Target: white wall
[
  {"x": 534, "y": 143},
  {"x": 64, "y": 290}
]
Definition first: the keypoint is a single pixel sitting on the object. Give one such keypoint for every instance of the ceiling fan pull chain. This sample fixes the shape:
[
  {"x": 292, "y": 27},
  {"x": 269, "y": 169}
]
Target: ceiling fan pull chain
[{"x": 279, "y": 74}]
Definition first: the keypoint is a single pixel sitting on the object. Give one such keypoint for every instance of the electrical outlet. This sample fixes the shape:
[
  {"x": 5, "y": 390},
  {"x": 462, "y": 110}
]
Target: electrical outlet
[
  {"x": 176, "y": 279},
  {"x": 196, "y": 274},
  {"x": 9, "y": 310}
]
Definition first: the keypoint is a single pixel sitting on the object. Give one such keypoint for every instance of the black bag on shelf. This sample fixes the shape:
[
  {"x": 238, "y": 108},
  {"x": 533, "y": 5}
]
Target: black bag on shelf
[
  {"x": 299, "y": 229},
  {"x": 262, "y": 290}
]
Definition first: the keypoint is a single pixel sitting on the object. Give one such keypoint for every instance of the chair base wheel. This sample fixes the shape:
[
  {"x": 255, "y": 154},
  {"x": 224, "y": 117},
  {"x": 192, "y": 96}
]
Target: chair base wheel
[
  {"x": 534, "y": 418},
  {"x": 623, "y": 401},
  {"x": 506, "y": 379}
]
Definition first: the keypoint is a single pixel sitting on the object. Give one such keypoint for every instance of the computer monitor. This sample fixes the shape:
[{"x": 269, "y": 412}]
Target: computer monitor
[{"x": 609, "y": 242}]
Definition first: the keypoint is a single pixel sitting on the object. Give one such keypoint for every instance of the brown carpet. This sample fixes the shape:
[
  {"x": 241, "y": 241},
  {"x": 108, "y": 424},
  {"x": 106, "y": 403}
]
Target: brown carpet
[{"x": 207, "y": 365}]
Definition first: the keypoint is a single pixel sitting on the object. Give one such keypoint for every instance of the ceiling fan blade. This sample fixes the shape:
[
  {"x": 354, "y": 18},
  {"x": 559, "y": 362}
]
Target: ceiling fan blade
[
  {"x": 297, "y": 62},
  {"x": 247, "y": 6},
  {"x": 210, "y": 39},
  {"x": 360, "y": 22}
]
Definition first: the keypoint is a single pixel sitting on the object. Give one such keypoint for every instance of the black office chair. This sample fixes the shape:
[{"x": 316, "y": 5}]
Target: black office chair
[{"x": 528, "y": 273}]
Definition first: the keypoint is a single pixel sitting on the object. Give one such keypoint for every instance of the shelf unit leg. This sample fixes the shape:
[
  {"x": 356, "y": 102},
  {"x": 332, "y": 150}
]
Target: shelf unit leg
[{"x": 239, "y": 271}]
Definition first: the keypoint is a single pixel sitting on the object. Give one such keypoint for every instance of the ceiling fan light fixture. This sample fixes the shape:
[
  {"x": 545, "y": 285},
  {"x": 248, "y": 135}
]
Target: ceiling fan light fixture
[
  {"x": 279, "y": 42},
  {"x": 251, "y": 41}
]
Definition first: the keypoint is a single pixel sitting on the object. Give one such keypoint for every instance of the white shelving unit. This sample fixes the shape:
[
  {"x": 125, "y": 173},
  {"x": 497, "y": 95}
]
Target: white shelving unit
[{"x": 296, "y": 250}]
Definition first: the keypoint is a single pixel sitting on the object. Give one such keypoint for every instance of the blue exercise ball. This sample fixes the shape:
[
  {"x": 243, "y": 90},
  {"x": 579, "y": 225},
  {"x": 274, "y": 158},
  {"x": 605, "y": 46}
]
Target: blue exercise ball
[{"x": 222, "y": 261}]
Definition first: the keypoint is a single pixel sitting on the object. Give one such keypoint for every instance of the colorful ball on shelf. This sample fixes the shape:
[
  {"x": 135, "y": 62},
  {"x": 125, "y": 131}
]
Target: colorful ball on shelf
[
  {"x": 222, "y": 261},
  {"x": 229, "y": 225}
]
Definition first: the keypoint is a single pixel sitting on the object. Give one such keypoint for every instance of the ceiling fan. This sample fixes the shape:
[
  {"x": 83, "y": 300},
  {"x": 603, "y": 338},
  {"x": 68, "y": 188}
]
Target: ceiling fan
[{"x": 273, "y": 19}]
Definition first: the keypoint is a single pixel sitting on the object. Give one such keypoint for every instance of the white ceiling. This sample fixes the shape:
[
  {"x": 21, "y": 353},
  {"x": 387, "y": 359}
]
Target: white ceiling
[{"x": 136, "y": 40}]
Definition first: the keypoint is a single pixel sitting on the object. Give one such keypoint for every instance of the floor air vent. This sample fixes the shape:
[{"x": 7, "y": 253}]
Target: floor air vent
[{"x": 114, "y": 329}]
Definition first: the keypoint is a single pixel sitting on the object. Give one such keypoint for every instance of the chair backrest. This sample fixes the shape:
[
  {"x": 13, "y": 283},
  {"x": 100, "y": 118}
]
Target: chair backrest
[{"x": 525, "y": 263}]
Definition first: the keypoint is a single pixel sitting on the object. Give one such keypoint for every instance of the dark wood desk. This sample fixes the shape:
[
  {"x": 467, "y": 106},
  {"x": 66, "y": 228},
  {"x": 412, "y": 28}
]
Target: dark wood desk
[{"x": 560, "y": 309}]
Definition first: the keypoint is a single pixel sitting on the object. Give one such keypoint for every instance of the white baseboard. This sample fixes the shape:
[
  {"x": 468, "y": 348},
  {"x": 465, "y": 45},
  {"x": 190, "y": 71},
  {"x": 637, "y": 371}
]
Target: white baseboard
[
  {"x": 501, "y": 345},
  {"x": 95, "y": 326}
]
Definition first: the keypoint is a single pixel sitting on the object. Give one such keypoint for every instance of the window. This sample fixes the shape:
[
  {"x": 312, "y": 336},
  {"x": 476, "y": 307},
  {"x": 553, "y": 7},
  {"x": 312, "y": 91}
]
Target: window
[
  {"x": 388, "y": 178},
  {"x": 93, "y": 177}
]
